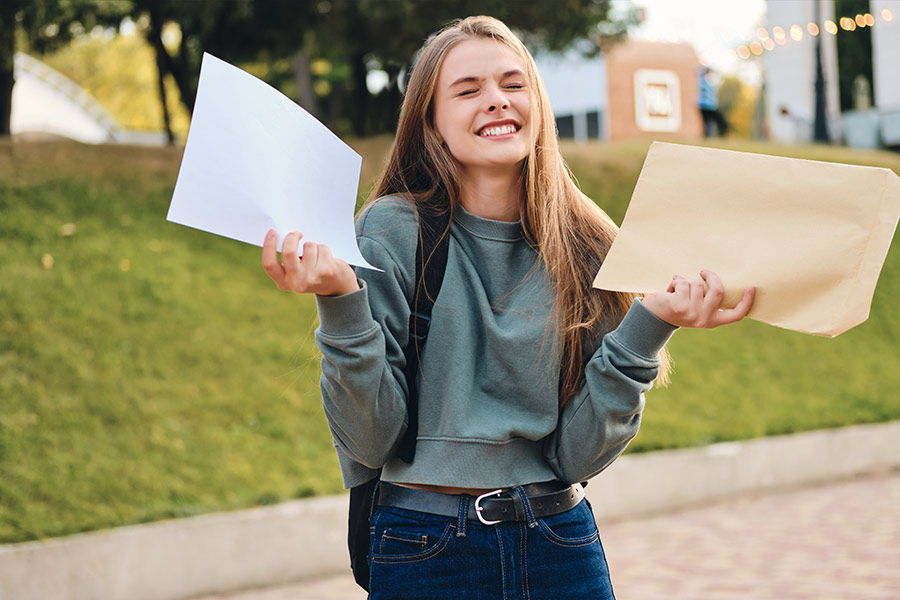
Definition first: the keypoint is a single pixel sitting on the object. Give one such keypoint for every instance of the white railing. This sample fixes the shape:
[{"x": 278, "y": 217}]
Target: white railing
[{"x": 70, "y": 90}]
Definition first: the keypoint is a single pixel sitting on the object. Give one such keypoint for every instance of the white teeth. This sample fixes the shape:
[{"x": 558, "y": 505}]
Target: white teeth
[{"x": 501, "y": 130}]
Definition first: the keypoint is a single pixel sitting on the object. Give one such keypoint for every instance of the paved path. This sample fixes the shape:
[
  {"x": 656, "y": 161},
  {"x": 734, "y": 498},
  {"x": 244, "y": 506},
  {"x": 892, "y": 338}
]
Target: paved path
[{"x": 840, "y": 542}]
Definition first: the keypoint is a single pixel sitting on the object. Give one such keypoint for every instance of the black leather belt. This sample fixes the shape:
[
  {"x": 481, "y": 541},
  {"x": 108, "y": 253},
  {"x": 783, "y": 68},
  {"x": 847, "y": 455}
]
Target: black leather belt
[{"x": 546, "y": 499}]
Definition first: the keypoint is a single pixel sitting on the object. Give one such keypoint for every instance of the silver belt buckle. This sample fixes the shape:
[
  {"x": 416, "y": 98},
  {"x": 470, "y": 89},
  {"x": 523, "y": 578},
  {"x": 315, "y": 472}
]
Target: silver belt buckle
[{"x": 479, "y": 508}]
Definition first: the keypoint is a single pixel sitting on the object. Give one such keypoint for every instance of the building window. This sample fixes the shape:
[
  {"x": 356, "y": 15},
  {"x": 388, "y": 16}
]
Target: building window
[
  {"x": 566, "y": 126},
  {"x": 657, "y": 100},
  {"x": 593, "y": 125}
]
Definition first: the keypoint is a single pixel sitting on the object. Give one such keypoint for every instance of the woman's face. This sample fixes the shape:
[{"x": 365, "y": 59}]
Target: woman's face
[{"x": 482, "y": 105}]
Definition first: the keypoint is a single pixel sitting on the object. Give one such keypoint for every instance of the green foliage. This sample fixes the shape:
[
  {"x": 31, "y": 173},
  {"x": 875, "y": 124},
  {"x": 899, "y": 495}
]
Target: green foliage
[
  {"x": 121, "y": 74},
  {"x": 352, "y": 36},
  {"x": 48, "y": 24},
  {"x": 149, "y": 370},
  {"x": 362, "y": 27},
  {"x": 737, "y": 102}
]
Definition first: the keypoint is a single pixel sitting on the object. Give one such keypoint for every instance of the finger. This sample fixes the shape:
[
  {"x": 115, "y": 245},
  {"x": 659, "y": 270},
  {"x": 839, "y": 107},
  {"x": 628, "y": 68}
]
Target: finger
[
  {"x": 698, "y": 289},
  {"x": 270, "y": 257},
  {"x": 712, "y": 300},
  {"x": 289, "y": 252},
  {"x": 310, "y": 254},
  {"x": 672, "y": 283},
  {"x": 682, "y": 287},
  {"x": 733, "y": 315},
  {"x": 324, "y": 257}
]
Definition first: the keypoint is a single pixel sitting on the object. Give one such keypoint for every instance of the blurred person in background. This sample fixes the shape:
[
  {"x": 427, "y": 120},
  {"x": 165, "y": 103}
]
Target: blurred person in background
[{"x": 714, "y": 123}]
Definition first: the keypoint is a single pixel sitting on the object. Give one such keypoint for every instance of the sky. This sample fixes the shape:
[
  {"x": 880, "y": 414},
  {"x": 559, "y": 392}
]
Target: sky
[{"x": 714, "y": 27}]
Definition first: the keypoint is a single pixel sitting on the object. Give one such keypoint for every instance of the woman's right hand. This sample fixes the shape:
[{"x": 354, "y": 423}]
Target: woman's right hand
[
  {"x": 696, "y": 303},
  {"x": 317, "y": 272}
]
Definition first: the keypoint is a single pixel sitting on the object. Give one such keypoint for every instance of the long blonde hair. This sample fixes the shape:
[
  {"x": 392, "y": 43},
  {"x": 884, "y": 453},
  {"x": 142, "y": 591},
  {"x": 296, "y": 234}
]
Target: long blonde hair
[{"x": 570, "y": 232}]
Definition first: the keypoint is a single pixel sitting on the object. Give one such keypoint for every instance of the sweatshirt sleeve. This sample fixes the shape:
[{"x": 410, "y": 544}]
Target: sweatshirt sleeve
[
  {"x": 601, "y": 419},
  {"x": 362, "y": 336}
]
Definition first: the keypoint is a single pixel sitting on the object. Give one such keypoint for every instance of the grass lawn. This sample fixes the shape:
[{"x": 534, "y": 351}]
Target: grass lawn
[{"x": 148, "y": 370}]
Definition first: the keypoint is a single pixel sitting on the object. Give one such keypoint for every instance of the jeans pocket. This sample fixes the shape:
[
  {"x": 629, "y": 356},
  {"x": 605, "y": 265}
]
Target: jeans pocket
[
  {"x": 573, "y": 528},
  {"x": 401, "y": 537}
]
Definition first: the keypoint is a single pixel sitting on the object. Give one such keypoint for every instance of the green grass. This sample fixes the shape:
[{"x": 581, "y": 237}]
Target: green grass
[{"x": 154, "y": 371}]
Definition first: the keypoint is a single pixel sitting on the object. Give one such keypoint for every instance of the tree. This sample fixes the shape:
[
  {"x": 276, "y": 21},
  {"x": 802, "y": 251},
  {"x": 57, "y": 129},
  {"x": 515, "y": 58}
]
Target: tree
[
  {"x": 234, "y": 30},
  {"x": 353, "y": 36},
  {"x": 387, "y": 33},
  {"x": 361, "y": 34}
]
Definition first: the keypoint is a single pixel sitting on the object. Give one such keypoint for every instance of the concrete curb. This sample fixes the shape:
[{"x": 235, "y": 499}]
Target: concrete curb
[
  {"x": 306, "y": 538},
  {"x": 643, "y": 484}
]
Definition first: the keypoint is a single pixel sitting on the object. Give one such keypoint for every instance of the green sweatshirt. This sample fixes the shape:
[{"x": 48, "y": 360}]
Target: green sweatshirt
[{"x": 488, "y": 384}]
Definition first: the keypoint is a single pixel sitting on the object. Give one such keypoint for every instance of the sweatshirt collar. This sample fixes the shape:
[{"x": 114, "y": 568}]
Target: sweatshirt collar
[{"x": 504, "y": 231}]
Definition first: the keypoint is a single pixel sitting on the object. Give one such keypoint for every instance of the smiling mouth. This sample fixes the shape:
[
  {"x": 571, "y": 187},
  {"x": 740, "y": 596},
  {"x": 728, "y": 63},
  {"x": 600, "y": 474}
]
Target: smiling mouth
[{"x": 498, "y": 130}]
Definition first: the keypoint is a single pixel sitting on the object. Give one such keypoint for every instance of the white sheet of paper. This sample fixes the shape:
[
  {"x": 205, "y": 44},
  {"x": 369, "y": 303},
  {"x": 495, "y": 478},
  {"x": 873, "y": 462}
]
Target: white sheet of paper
[{"x": 255, "y": 160}]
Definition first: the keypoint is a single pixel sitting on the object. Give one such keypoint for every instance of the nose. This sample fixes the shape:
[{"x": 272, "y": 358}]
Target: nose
[{"x": 497, "y": 100}]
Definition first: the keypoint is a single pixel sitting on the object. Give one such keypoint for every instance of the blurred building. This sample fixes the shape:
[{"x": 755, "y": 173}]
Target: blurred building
[
  {"x": 577, "y": 87},
  {"x": 45, "y": 103},
  {"x": 653, "y": 89},
  {"x": 639, "y": 90},
  {"x": 866, "y": 117}
]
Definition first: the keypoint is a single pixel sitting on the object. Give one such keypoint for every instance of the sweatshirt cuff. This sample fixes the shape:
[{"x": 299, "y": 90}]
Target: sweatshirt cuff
[
  {"x": 345, "y": 315},
  {"x": 643, "y": 332}
]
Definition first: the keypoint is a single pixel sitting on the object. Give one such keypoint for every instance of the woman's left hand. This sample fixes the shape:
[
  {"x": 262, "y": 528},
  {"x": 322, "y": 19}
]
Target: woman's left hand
[{"x": 695, "y": 303}]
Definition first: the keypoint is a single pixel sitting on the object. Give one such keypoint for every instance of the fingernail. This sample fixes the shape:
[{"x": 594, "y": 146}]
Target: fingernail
[{"x": 269, "y": 234}]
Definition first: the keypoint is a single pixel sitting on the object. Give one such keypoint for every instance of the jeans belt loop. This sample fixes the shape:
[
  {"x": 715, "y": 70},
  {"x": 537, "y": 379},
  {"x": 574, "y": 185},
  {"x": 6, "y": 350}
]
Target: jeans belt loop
[
  {"x": 523, "y": 505},
  {"x": 463, "y": 516}
]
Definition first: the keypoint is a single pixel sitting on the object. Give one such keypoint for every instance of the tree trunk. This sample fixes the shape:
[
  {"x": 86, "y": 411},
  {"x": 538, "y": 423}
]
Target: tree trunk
[
  {"x": 6, "y": 87},
  {"x": 176, "y": 67},
  {"x": 335, "y": 108},
  {"x": 154, "y": 35},
  {"x": 360, "y": 94},
  {"x": 394, "y": 99},
  {"x": 306, "y": 95},
  {"x": 161, "y": 78},
  {"x": 7, "y": 70},
  {"x": 181, "y": 72}
]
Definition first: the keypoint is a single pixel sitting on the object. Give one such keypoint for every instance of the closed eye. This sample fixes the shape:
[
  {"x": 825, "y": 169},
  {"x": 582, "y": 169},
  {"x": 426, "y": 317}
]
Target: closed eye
[{"x": 466, "y": 92}]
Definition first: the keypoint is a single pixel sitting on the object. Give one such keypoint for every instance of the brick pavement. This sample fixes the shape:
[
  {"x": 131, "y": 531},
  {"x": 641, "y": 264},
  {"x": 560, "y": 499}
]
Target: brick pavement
[{"x": 835, "y": 542}]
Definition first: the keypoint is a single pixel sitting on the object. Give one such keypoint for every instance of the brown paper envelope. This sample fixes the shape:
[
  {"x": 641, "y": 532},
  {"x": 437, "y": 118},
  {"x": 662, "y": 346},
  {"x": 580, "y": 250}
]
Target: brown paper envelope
[{"x": 810, "y": 236}]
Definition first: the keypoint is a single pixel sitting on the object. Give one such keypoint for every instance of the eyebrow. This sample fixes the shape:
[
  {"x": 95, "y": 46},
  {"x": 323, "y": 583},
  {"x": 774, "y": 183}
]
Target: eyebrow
[{"x": 472, "y": 78}]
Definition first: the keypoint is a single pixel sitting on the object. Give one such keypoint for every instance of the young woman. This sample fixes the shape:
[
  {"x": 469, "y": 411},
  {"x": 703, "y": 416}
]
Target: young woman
[{"x": 530, "y": 382}]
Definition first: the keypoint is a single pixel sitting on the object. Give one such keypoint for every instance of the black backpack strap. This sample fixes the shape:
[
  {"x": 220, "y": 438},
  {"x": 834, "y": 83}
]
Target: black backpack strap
[{"x": 431, "y": 262}]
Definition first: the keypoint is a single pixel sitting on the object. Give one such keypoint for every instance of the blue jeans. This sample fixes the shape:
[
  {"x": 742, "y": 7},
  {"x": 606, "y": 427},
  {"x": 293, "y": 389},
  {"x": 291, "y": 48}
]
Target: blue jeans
[{"x": 418, "y": 555}]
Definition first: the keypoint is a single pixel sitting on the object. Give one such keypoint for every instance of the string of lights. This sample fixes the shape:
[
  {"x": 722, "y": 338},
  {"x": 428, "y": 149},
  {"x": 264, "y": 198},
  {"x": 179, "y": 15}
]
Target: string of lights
[{"x": 780, "y": 37}]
